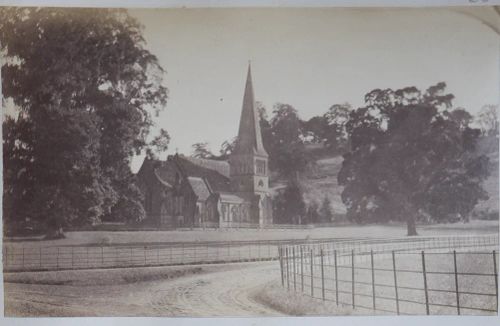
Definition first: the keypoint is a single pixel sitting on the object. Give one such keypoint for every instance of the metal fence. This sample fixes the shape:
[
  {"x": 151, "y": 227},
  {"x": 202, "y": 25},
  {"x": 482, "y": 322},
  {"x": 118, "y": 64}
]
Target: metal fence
[
  {"x": 19, "y": 257},
  {"x": 402, "y": 281}
]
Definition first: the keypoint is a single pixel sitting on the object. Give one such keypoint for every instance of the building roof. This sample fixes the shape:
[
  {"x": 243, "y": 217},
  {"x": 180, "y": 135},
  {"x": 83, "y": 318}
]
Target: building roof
[
  {"x": 220, "y": 166},
  {"x": 199, "y": 187},
  {"x": 215, "y": 181},
  {"x": 231, "y": 198},
  {"x": 161, "y": 180},
  {"x": 249, "y": 139}
]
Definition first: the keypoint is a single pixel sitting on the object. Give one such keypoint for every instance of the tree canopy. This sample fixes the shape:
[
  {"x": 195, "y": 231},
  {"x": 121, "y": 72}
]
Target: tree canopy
[
  {"x": 85, "y": 87},
  {"x": 411, "y": 156}
]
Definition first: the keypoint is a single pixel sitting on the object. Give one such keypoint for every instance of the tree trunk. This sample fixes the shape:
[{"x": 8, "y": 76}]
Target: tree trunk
[
  {"x": 56, "y": 233},
  {"x": 411, "y": 227}
]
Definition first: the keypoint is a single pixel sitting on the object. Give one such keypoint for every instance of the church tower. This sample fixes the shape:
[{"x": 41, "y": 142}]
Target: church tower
[{"x": 249, "y": 172}]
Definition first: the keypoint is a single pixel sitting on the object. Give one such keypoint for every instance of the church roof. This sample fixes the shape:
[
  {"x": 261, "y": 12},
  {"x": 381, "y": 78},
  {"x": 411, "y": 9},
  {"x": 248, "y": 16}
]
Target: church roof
[
  {"x": 220, "y": 166},
  {"x": 199, "y": 187},
  {"x": 216, "y": 181},
  {"x": 249, "y": 139},
  {"x": 231, "y": 198}
]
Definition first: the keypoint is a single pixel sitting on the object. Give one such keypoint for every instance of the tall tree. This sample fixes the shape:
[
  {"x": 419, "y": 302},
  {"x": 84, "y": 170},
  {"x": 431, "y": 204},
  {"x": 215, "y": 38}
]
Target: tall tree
[
  {"x": 201, "y": 150},
  {"x": 85, "y": 87},
  {"x": 312, "y": 215},
  {"x": 287, "y": 151},
  {"x": 409, "y": 156},
  {"x": 488, "y": 120},
  {"x": 288, "y": 205},
  {"x": 325, "y": 211}
]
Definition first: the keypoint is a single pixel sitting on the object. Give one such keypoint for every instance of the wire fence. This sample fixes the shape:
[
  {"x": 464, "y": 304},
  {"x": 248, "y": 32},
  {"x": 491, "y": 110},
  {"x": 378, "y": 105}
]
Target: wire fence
[
  {"x": 398, "y": 281},
  {"x": 19, "y": 257}
]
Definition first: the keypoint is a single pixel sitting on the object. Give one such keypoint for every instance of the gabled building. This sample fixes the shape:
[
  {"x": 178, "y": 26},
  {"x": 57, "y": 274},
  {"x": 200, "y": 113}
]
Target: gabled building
[{"x": 188, "y": 192}]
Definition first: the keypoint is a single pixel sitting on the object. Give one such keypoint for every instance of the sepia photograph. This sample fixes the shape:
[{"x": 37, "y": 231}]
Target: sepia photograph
[{"x": 250, "y": 162}]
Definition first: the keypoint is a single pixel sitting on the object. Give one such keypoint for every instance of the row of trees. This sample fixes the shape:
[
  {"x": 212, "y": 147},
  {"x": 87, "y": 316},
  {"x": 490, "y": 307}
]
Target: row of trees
[
  {"x": 289, "y": 207},
  {"x": 85, "y": 89},
  {"x": 286, "y": 136},
  {"x": 408, "y": 155}
]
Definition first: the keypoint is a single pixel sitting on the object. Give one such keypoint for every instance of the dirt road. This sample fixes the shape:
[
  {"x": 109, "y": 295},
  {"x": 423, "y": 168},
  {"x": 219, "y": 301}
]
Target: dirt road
[{"x": 225, "y": 292}]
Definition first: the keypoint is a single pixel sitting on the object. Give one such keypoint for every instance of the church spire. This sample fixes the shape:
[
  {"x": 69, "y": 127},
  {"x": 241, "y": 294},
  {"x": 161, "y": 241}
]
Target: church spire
[{"x": 249, "y": 135}]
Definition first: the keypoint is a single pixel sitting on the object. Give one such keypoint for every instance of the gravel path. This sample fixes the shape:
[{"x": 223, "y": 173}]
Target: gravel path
[{"x": 225, "y": 292}]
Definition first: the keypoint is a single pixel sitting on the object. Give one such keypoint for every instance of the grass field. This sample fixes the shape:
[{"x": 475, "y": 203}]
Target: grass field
[
  {"x": 175, "y": 236},
  {"x": 475, "y": 284}
]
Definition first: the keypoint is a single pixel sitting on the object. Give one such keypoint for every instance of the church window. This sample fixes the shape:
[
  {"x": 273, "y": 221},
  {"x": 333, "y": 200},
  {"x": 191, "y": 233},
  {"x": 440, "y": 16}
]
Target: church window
[
  {"x": 224, "y": 211},
  {"x": 260, "y": 167},
  {"x": 234, "y": 212},
  {"x": 261, "y": 183}
]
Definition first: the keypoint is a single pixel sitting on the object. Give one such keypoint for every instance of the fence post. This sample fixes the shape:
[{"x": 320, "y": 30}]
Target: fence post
[
  {"x": 72, "y": 257},
  {"x": 23, "y": 257},
  {"x": 158, "y": 255},
  {"x": 57, "y": 259},
  {"x": 145, "y": 260},
  {"x": 322, "y": 277},
  {"x": 373, "y": 280},
  {"x": 287, "y": 270},
  {"x": 336, "y": 278},
  {"x": 425, "y": 284},
  {"x": 456, "y": 280},
  {"x": 102, "y": 256},
  {"x": 395, "y": 281},
  {"x": 39, "y": 256},
  {"x": 87, "y": 256},
  {"x": 294, "y": 271},
  {"x": 312, "y": 277},
  {"x": 352, "y": 279},
  {"x": 301, "y": 270},
  {"x": 280, "y": 257},
  {"x": 496, "y": 276},
  {"x": 7, "y": 256}
]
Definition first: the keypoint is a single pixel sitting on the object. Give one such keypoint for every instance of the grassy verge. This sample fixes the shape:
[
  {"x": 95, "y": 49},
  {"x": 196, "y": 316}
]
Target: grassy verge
[
  {"x": 297, "y": 304},
  {"x": 101, "y": 277}
]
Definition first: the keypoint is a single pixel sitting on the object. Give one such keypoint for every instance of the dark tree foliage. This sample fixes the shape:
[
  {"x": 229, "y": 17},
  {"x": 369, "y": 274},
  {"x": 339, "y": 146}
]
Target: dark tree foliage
[
  {"x": 287, "y": 153},
  {"x": 329, "y": 128},
  {"x": 488, "y": 120},
  {"x": 84, "y": 85},
  {"x": 201, "y": 150},
  {"x": 325, "y": 211},
  {"x": 411, "y": 156},
  {"x": 289, "y": 206},
  {"x": 226, "y": 149},
  {"x": 312, "y": 215}
]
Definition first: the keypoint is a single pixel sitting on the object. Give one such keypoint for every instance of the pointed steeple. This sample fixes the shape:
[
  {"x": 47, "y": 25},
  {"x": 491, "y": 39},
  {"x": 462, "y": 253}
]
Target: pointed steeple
[{"x": 249, "y": 135}]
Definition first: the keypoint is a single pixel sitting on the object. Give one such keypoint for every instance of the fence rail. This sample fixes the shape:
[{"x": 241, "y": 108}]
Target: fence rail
[
  {"x": 386, "y": 279},
  {"x": 17, "y": 257}
]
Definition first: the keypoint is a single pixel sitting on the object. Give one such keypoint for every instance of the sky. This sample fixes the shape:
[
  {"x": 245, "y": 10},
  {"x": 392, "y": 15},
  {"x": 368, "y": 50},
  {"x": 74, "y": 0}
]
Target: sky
[{"x": 309, "y": 58}]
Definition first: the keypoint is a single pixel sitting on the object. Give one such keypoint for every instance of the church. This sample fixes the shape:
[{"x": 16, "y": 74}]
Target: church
[{"x": 190, "y": 192}]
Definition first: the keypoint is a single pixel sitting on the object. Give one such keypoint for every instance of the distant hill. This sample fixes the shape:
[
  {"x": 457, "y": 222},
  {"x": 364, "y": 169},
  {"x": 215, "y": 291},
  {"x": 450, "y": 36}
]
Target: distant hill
[
  {"x": 489, "y": 146},
  {"x": 320, "y": 179}
]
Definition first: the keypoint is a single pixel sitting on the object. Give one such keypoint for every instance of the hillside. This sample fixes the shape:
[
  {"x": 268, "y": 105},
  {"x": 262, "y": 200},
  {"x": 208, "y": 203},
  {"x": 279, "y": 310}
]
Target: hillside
[
  {"x": 489, "y": 146},
  {"x": 320, "y": 180}
]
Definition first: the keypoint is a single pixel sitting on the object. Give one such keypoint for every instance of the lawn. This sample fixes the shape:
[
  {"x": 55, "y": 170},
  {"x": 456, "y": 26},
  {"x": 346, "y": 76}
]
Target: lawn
[
  {"x": 475, "y": 283},
  {"x": 176, "y": 236}
]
